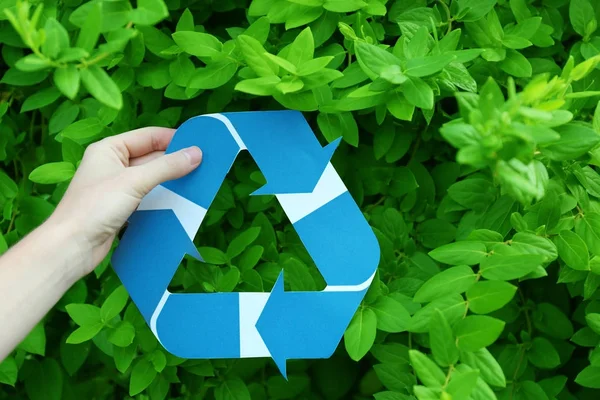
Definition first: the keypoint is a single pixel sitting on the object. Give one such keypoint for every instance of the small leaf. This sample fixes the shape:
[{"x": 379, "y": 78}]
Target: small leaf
[
  {"x": 454, "y": 280},
  {"x": 142, "y": 375},
  {"x": 360, "y": 335},
  {"x": 8, "y": 371},
  {"x": 67, "y": 80},
  {"x": 391, "y": 315},
  {"x": 232, "y": 389},
  {"x": 84, "y": 314},
  {"x": 464, "y": 252},
  {"x": 442, "y": 341},
  {"x": 589, "y": 377},
  {"x": 101, "y": 86},
  {"x": 197, "y": 43},
  {"x": 52, "y": 173},
  {"x": 477, "y": 331},
  {"x": 487, "y": 296},
  {"x": 114, "y": 304},
  {"x": 572, "y": 250},
  {"x": 426, "y": 370},
  {"x": 507, "y": 267}
]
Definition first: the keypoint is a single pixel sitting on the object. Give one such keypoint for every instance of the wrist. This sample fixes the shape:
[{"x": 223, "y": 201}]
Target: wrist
[{"x": 68, "y": 246}]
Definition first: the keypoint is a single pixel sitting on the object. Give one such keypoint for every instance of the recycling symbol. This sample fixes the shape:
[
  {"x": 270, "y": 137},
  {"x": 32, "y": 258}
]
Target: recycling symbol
[{"x": 281, "y": 324}]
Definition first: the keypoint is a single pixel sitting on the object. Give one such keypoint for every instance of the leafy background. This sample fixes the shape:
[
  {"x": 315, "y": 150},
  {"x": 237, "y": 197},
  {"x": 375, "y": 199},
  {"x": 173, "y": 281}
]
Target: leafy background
[{"x": 470, "y": 141}]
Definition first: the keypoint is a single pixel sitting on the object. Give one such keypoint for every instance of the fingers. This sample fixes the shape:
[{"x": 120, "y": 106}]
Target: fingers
[
  {"x": 143, "y": 178},
  {"x": 145, "y": 158},
  {"x": 142, "y": 141}
]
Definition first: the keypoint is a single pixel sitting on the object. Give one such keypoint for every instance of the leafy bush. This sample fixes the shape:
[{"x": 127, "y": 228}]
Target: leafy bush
[{"x": 471, "y": 141}]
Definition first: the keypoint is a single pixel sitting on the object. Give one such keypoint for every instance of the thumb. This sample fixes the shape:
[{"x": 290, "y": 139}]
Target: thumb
[{"x": 145, "y": 177}]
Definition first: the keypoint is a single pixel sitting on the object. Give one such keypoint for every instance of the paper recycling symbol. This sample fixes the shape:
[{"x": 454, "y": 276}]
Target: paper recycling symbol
[{"x": 281, "y": 324}]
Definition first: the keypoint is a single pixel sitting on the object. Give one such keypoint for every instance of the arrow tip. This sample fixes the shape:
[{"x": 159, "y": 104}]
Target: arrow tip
[
  {"x": 269, "y": 335},
  {"x": 328, "y": 150},
  {"x": 303, "y": 181}
]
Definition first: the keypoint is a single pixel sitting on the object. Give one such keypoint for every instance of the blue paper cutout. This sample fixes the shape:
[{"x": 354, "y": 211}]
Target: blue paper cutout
[{"x": 282, "y": 325}]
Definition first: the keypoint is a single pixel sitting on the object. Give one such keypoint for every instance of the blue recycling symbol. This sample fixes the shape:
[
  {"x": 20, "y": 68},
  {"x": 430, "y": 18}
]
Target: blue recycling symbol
[{"x": 280, "y": 324}]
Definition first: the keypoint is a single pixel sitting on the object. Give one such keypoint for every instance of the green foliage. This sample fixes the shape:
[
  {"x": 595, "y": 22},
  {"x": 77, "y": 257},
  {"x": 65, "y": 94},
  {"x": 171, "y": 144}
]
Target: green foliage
[{"x": 471, "y": 141}]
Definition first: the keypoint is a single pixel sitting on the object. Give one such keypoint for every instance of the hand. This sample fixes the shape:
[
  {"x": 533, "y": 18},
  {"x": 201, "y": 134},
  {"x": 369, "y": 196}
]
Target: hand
[{"x": 109, "y": 184}]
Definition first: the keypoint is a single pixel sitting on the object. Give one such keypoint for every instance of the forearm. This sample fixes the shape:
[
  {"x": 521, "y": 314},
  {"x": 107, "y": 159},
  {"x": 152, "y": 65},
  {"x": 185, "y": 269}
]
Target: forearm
[{"x": 34, "y": 275}]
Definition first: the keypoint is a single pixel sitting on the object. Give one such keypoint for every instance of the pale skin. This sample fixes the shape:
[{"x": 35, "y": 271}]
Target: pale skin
[{"x": 114, "y": 175}]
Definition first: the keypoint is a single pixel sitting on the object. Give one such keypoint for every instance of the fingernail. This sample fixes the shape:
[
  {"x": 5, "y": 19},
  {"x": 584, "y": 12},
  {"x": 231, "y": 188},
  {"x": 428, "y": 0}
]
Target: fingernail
[{"x": 194, "y": 155}]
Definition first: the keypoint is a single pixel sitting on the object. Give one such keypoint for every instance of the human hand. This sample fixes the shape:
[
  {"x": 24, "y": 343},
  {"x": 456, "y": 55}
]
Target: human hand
[{"x": 113, "y": 177}]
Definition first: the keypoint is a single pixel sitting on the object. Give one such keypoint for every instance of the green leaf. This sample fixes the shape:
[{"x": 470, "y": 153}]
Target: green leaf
[
  {"x": 582, "y": 15},
  {"x": 453, "y": 307},
  {"x": 63, "y": 116},
  {"x": 339, "y": 124},
  {"x": 588, "y": 228},
  {"x": 360, "y": 335},
  {"x": 35, "y": 341},
  {"x": 391, "y": 315},
  {"x": 302, "y": 49},
  {"x": 84, "y": 333},
  {"x": 374, "y": 60},
  {"x": 197, "y": 43},
  {"x": 73, "y": 356},
  {"x": 343, "y": 6},
  {"x": 83, "y": 131},
  {"x": 242, "y": 241},
  {"x": 91, "y": 28},
  {"x": 114, "y": 304},
  {"x": 394, "y": 378},
  {"x": 142, "y": 375},
  {"x": 264, "y": 86},
  {"x": 213, "y": 255},
  {"x": 572, "y": 250},
  {"x": 575, "y": 140},
  {"x": 462, "y": 384},
  {"x": 454, "y": 280},
  {"x": 589, "y": 377},
  {"x": 121, "y": 335},
  {"x": 71, "y": 151},
  {"x": 124, "y": 356},
  {"x": 472, "y": 10},
  {"x": 8, "y": 371},
  {"x": 418, "y": 93},
  {"x": 149, "y": 12},
  {"x": 186, "y": 21},
  {"x": 593, "y": 321},
  {"x": 44, "y": 381},
  {"x": 67, "y": 80},
  {"x": 549, "y": 319},
  {"x": 254, "y": 55},
  {"x": 84, "y": 314},
  {"x": 528, "y": 243},
  {"x": 542, "y": 354},
  {"x": 477, "y": 331},
  {"x": 40, "y": 99},
  {"x": 232, "y": 389},
  {"x": 488, "y": 367},
  {"x": 464, "y": 252},
  {"x": 476, "y": 194},
  {"x": 57, "y": 38},
  {"x": 312, "y": 66},
  {"x": 487, "y": 296},
  {"x": 429, "y": 65},
  {"x": 52, "y": 173},
  {"x": 29, "y": 63},
  {"x": 442, "y": 341},
  {"x": 499, "y": 267},
  {"x": 426, "y": 370},
  {"x": 101, "y": 86},
  {"x": 516, "y": 64}
]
